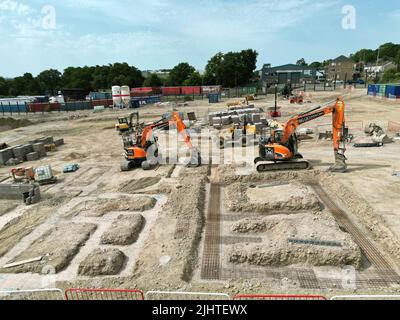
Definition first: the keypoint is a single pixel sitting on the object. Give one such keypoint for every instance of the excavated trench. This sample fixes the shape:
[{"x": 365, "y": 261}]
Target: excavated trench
[{"x": 266, "y": 226}]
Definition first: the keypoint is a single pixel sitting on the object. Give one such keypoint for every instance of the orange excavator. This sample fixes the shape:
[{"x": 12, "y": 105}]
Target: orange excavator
[
  {"x": 280, "y": 150},
  {"x": 142, "y": 149}
]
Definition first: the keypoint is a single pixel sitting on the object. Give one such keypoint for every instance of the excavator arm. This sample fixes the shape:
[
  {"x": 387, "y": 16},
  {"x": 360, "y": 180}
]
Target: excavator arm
[{"x": 338, "y": 116}]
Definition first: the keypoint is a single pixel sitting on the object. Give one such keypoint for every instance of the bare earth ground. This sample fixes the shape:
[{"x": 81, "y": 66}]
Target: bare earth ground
[{"x": 164, "y": 250}]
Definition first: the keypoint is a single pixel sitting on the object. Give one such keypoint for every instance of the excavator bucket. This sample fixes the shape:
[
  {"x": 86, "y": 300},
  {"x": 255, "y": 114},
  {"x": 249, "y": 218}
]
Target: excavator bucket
[
  {"x": 195, "y": 159},
  {"x": 340, "y": 165}
]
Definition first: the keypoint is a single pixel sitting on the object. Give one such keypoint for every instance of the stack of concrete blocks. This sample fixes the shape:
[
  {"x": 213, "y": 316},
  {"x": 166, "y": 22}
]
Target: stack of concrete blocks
[
  {"x": 28, "y": 193},
  {"x": 5, "y": 155},
  {"x": 32, "y": 151},
  {"x": 238, "y": 115}
]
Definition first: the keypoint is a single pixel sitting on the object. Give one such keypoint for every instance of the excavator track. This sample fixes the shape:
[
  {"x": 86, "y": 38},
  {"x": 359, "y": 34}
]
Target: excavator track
[{"x": 282, "y": 166}]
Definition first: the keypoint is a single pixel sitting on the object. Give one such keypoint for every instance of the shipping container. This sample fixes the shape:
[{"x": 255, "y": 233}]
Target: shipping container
[
  {"x": 171, "y": 91},
  {"x": 100, "y": 95},
  {"x": 211, "y": 89},
  {"x": 142, "y": 101},
  {"x": 397, "y": 91},
  {"x": 196, "y": 90},
  {"x": 145, "y": 91},
  {"x": 44, "y": 107},
  {"x": 372, "y": 90}
]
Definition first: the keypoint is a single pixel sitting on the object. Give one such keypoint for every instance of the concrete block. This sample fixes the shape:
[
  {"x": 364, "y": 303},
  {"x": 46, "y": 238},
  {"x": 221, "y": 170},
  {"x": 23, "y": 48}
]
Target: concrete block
[
  {"x": 29, "y": 193},
  {"x": 59, "y": 142},
  {"x": 256, "y": 118},
  {"x": 5, "y": 155},
  {"x": 226, "y": 120},
  {"x": 33, "y": 156},
  {"x": 28, "y": 148},
  {"x": 217, "y": 121},
  {"x": 46, "y": 140},
  {"x": 236, "y": 119},
  {"x": 20, "y": 153},
  {"x": 259, "y": 127},
  {"x": 40, "y": 149}
]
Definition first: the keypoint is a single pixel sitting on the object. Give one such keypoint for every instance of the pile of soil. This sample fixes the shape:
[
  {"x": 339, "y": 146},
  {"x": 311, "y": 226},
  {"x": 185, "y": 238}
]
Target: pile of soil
[
  {"x": 102, "y": 262},
  {"x": 240, "y": 197},
  {"x": 7, "y": 124},
  {"x": 57, "y": 247},
  {"x": 98, "y": 208},
  {"x": 124, "y": 231},
  {"x": 136, "y": 185},
  {"x": 276, "y": 250}
]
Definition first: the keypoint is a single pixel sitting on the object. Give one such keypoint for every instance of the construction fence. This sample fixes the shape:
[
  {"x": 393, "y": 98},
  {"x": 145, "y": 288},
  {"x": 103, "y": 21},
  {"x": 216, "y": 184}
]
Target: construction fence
[{"x": 76, "y": 294}]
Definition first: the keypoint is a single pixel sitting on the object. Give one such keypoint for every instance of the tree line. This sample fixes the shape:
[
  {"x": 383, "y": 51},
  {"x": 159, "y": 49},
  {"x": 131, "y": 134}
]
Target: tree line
[
  {"x": 229, "y": 70},
  {"x": 388, "y": 52}
]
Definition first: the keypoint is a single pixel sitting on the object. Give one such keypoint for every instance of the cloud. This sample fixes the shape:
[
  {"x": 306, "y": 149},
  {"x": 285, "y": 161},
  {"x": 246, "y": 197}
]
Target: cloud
[
  {"x": 147, "y": 33},
  {"x": 14, "y": 7}
]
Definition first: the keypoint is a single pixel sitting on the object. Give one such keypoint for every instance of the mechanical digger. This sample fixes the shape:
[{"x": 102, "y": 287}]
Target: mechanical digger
[
  {"x": 279, "y": 151},
  {"x": 141, "y": 145}
]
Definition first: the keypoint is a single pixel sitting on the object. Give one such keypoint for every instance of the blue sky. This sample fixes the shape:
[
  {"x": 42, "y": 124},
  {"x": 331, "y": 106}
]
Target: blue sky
[{"x": 153, "y": 34}]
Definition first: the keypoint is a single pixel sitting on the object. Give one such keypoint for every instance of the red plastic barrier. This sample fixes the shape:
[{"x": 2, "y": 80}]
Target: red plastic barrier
[
  {"x": 106, "y": 103},
  {"x": 191, "y": 90},
  {"x": 278, "y": 297},
  {"x": 171, "y": 91},
  {"x": 43, "y": 107},
  {"x": 103, "y": 294}
]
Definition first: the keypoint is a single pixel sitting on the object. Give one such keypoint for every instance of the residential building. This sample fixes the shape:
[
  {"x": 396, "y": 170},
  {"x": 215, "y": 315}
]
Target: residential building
[
  {"x": 341, "y": 69},
  {"x": 375, "y": 70}
]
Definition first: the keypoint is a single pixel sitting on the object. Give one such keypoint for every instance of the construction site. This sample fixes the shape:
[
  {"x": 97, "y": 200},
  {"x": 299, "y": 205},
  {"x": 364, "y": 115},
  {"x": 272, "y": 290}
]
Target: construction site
[{"x": 241, "y": 198}]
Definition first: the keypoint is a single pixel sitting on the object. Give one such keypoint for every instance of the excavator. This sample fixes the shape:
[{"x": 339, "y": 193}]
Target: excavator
[
  {"x": 279, "y": 151},
  {"x": 141, "y": 146}
]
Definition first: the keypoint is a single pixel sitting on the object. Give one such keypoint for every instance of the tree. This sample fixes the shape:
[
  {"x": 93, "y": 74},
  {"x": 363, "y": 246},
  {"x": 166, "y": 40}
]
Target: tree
[
  {"x": 25, "y": 85},
  {"x": 195, "y": 79},
  {"x": 389, "y": 51},
  {"x": 365, "y": 55},
  {"x": 231, "y": 69},
  {"x": 3, "y": 87},
  {"x": 49, "y": 80},
  {"x": 301, "y": 62},
  {"x": 152, "y": 80},
  {"x": 180, "y": 73},
  {"x": 316, "y": 65},
  {"x": 397, "y": 61},
  {"x": 210, "y": 75},
  {"x": 390, "y": 76}
]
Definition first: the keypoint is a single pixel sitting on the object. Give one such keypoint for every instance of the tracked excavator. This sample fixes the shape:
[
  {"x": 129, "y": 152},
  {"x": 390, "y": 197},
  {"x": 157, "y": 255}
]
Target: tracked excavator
[
  {"x": 279, "y": 151},
  {"x": 141, "y": 145}
]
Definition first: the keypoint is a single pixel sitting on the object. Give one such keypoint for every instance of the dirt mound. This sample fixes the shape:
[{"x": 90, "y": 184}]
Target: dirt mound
[
  {"x": 11, "y": 124},
  {"x": 240, "y": 197},
  {"x": 58, "y": 247},
  {"x": 277, "y": 250},
  {"x": 100, "y": 207},
  {"x": 102, "y": 262},
  {"x": 140, "y": 184},
  {"x": 124, "y": 231}
]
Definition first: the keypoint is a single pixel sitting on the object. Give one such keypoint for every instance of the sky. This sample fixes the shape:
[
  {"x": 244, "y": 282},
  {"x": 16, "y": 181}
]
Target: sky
[{"x": 155, "y": 34}]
